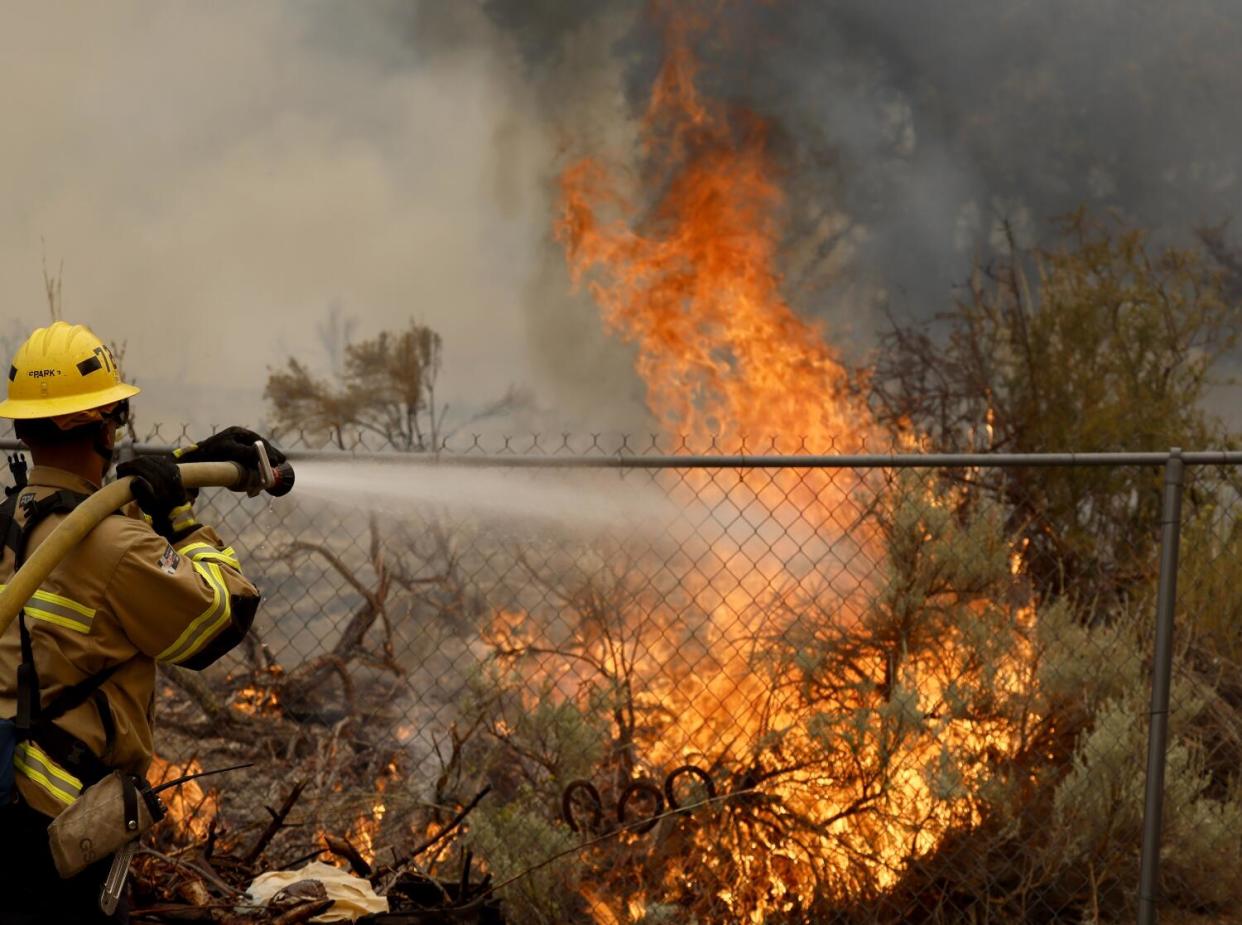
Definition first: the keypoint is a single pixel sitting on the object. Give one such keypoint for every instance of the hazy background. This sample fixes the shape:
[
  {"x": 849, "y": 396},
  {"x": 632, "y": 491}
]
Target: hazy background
[{"x": 218, "y": 178}]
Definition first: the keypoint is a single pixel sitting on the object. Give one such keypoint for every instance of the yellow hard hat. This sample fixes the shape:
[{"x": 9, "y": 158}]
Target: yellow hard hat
[{"x": 62, "y": 369}]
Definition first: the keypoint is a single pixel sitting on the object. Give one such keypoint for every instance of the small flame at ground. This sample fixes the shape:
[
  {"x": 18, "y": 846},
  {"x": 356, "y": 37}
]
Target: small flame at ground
[
  {"x": 367, "y": 825},
  {"x": 259, "y": 698},
  {"x": 190, "y": 809}
]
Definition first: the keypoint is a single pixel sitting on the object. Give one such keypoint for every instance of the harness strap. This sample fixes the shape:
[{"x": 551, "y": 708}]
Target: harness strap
[
  {"x": 29, "y": 700},
  {"x": 75, "y": 695},
  {"x": 72, "y": 753},
  {"x": 105, "y": 718},
  {"x": 33, "y": 720},
  {"x": 10, "y": 529}
]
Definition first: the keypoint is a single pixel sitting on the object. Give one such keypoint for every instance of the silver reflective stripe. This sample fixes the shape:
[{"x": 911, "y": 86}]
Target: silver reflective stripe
[
  {"x": 212, "y": 620},
  {"x": 61, "y": 611},
  {"x": 182, "y": 517},
  {"x": 34, "y": 763}
]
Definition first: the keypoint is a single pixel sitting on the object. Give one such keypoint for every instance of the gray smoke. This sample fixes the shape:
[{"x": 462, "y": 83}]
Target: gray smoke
[
  {"x": 216, "y": 177},
  {"x": 914, "y": 135},
  {"x": 912, "y": 132}
]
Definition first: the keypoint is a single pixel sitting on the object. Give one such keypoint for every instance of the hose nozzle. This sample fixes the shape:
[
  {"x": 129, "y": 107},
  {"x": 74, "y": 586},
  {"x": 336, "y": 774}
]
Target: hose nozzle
[
  {"x": 277, "y": 481},
  {"x": 282, "y": 480}
]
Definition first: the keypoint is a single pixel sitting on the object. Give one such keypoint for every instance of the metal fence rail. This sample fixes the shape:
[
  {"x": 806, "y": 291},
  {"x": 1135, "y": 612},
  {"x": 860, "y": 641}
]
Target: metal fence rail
[{"x": 904, "y": 687}]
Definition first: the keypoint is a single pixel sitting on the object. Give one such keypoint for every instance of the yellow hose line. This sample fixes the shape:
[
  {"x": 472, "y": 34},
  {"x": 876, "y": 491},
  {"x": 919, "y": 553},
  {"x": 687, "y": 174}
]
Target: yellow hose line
[{"x": 84, "y": 518}]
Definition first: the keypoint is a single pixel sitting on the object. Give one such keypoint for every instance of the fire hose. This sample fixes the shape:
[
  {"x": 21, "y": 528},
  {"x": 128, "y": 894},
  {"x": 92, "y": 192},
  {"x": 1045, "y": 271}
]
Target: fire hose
[{"x": 108, "y": 500}]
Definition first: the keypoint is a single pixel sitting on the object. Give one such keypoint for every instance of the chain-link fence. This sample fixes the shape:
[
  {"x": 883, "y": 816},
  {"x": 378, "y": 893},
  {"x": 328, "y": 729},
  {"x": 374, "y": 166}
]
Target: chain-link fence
[{"x": 750, "y": 688}]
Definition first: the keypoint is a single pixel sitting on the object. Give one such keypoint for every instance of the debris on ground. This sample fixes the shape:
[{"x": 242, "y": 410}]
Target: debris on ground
[
  {"x": 232, "y": 857},
  {"x": 351, "y": 896}
]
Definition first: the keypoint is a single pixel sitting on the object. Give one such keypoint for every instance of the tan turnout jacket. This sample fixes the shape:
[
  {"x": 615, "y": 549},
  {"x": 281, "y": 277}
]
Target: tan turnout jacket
[{"x": 123, "y": 597}]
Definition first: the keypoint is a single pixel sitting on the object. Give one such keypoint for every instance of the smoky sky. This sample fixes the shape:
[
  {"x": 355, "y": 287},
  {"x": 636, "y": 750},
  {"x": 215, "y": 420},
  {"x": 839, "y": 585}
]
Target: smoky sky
[
  {"x": 219, "y": 179},
  {"x": 928, "y": 123}
]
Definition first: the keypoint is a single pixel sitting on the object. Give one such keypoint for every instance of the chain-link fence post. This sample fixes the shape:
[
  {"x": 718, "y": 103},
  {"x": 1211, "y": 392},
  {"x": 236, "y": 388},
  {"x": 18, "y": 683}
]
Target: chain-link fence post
[{"x": 1162, "y": 674}]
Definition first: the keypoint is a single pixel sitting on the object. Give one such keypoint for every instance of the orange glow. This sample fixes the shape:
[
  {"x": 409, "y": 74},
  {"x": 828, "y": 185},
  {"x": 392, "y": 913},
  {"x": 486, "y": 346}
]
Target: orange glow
[
  {"x": 190, "y": 809},
  {"x": 259, "y": 698},
  {"x": 367, "y": 825},
  {"x": 691, "y": 280},
  {"x": 254, "y": 701},
  {"x": 684, "y": 267}
]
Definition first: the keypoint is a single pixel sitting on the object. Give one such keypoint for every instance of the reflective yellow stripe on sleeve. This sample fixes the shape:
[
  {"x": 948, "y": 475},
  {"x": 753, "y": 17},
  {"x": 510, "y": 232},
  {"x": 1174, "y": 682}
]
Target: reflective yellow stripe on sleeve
[
  {"x": 34, "y": 763},
  {"x": 182, "y": 518},
  {"x": 205, "y": 552},
  {"x": 208, "y": 624},
  {"x": 60, "y": 611}
]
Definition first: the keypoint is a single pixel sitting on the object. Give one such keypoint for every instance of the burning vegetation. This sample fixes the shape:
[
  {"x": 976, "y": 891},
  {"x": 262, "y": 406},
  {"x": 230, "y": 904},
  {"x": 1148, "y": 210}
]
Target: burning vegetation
[
  {"x": 854, "y": 717},
  {"x": 809, "y": 694},
  {"x": 880, "y": 688}
]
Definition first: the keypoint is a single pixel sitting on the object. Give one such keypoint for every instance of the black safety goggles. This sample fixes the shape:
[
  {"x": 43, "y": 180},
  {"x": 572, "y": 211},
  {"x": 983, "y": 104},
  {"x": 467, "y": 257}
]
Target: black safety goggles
[{"x": 119, "y": 414}]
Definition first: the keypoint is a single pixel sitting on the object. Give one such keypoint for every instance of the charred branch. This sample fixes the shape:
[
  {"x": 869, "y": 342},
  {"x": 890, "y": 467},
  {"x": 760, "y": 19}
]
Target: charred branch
[
  {"x": 278, "y": 820},
  {"x": 345, "y": 850}
]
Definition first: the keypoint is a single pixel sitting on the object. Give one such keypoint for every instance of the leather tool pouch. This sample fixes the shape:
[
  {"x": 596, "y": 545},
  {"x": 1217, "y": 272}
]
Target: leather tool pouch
[{"x": 102, "y": 820}]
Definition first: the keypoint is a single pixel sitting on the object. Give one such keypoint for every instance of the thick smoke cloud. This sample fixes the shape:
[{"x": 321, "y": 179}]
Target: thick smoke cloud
[
  {"x": 216, "y": 176},
  {"x": 910, "y": 131},
  {"x": 928, "y": 122},
  {"x": 951, "y": 116}
]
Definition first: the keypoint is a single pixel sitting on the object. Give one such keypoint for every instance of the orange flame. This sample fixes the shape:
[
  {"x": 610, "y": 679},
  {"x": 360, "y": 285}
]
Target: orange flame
[
  {"x": 190, "y": 809},
  {"x": 721, "y": 352},
  {"x": 691, "y": 281},
  {"x": 367, "y": 825},
  {"x": 255, "y": 701},
  {"x": 260, "y": 698}
]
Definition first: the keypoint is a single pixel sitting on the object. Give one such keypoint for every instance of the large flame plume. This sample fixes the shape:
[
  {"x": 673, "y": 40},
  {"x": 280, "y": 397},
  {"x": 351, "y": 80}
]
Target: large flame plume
[
  {"x": 692, "y": 279},
  {"x": 683, "y": 265}
]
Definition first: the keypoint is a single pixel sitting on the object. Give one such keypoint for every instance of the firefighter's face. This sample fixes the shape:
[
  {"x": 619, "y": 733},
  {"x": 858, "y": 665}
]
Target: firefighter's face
[{"x": 114, "y": 418}]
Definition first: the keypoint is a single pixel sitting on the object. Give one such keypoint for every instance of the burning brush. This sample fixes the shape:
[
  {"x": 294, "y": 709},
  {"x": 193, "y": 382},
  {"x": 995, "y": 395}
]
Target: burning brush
[{"x": 851, "y": 743}]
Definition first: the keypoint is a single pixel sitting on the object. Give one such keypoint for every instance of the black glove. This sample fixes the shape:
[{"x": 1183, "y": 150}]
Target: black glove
[
  {"x": 158, "y": 490},
  {"x": 233, "y": 444}
]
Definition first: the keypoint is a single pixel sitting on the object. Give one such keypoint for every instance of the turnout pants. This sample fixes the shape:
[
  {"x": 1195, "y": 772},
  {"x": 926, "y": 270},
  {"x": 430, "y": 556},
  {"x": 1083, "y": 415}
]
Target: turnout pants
[{"x": 33, "y": 893}]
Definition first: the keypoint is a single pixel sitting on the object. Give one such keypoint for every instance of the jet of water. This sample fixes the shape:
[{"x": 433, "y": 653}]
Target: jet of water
[{"x": 565, "y": 498}]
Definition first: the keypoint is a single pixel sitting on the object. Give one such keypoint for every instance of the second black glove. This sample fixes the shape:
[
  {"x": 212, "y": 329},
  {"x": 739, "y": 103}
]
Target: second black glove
[
  {"x": 158, "y": 490},
  {"x": 233, "y": 444}
]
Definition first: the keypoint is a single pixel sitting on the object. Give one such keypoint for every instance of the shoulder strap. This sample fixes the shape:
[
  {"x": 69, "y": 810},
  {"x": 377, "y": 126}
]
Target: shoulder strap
[
  {"x": 10, "y": 529},
  {"x": 74, "y": 696},
  {"x": 30, "y": 711},
  {"x": 33, "y": 720},
  {"x": 61, "y": 501},
  {"x": 16, "y": 535}
]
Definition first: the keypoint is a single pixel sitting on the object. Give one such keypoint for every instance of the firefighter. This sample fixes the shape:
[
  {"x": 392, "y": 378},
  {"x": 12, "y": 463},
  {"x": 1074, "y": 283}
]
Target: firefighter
[{"x": 148, "y": 585}]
